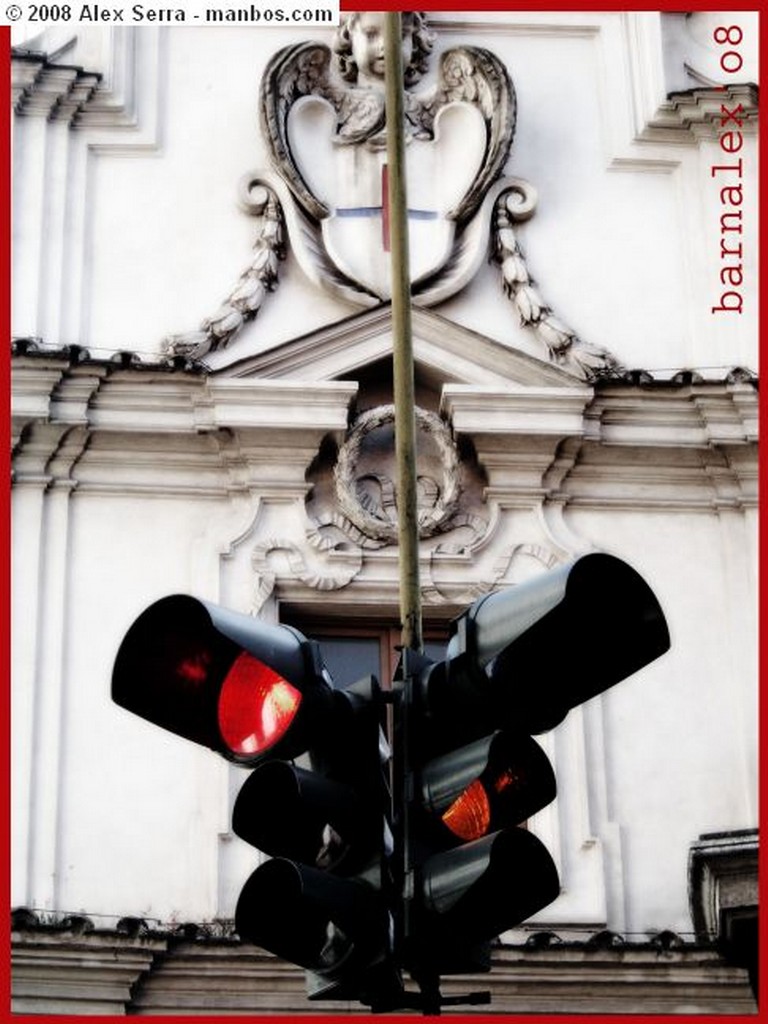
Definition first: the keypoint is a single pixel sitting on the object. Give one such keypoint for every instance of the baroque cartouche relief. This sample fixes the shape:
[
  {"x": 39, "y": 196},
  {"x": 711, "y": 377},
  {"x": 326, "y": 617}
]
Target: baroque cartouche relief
[{"x": 323, "y": 119}]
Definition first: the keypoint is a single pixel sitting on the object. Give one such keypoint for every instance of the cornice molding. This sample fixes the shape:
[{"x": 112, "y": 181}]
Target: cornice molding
[
  {"x": 147, "y": 974},
  {"x": 689, "y": 445},
  {"x": 658, "y": 115},
  {"x": 723, "y": 895},
  {"x": 699, "y": 112},
  {"x": 687, "y": 118},
  {"x": 78, "y": 974},
  {"x": 686, "y": 415},
  {"x": 57, "y": 92},
  {"x": 124, "y": 96}
]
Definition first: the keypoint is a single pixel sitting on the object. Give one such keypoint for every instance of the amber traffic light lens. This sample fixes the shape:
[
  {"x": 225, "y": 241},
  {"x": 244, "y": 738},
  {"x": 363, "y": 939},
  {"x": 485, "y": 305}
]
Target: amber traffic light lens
[
  {"x": 469, "y": 816},
  {"x": 256, "y": 706}
]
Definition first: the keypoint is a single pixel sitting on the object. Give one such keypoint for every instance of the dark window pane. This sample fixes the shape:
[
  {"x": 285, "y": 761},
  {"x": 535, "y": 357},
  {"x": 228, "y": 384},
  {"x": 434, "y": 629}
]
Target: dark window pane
[{"x": 349, "y": 658}]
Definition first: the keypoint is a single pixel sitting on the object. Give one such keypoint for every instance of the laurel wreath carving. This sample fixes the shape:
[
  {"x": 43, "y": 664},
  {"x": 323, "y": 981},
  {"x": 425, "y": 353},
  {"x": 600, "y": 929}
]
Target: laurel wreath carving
[{"x": 381, "y": 524}]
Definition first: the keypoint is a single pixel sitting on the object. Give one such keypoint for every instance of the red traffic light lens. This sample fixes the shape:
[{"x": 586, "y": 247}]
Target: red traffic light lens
[{"x": 256, "y": 706}]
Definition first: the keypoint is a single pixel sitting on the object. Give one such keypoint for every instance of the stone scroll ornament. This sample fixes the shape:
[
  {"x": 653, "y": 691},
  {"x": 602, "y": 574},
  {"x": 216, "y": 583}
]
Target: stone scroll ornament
[{"x": 323, "y": 118}]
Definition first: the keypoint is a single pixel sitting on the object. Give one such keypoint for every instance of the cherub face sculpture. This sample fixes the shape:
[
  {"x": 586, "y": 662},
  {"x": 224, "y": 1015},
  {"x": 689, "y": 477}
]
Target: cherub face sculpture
[
  {"x": 367, "y": 41},
  {"x": 359, "y": 47}
]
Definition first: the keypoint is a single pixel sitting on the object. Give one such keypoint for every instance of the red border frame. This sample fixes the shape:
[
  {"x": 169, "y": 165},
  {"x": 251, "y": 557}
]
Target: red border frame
[{"x": 484, "y": 5}]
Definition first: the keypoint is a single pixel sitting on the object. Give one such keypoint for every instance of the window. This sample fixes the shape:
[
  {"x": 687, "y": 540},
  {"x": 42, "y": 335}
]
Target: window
[{"x": 356, "y": 650}]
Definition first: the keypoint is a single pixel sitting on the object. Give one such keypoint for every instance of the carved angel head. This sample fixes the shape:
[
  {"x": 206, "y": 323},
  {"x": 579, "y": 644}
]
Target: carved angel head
[{"x": 359, "y": 46}]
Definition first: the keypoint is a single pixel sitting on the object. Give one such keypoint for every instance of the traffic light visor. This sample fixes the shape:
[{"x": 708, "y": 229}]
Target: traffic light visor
[
  {"x": 522, "y": 657},
  {"x": 219, "y": 678},
  {"x": 309, "y": 917},
  {"x": 287, "y": 811},
  {"x": 483, "y": 888}
]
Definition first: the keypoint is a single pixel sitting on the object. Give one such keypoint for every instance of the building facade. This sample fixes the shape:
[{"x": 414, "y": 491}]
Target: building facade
[{"x": 202, "y": 403}]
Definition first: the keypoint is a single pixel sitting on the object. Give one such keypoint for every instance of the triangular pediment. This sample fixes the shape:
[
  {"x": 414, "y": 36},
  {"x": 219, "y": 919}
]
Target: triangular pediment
[{"x": 444, "y": 353}]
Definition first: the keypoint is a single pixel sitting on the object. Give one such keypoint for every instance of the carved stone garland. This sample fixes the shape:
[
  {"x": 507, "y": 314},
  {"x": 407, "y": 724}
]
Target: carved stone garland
[
  {"x": 564, "y": 347},
  {"x": 258, "y": 278}
]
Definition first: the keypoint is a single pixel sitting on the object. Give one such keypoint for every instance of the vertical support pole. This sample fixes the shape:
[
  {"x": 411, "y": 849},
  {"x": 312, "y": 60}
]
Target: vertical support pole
[
  {"x": 405, "y": 414},
  {"x": 405, "y": 451}
]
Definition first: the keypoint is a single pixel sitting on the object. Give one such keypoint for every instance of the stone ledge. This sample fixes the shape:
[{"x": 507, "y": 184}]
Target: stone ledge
[{"x": 55, "y": 971}]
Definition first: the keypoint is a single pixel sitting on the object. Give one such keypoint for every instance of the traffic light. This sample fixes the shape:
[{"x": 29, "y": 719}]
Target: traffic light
[
  {"x": 363, "y": 883},
  {"x": 259, "y": 695},
  {"x": 470, "y": 771}
]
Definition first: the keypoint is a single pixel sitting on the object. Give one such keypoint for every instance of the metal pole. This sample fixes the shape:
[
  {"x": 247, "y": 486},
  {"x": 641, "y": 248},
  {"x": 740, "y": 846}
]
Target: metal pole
[
  {"x": 405, "y": 415},
  {"x": 407, "y": 509}
]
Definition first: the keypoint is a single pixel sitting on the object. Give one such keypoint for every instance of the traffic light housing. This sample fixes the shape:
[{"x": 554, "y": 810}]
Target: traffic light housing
[
  {"x": 470, "y": 771},
  {"x": 323, "y": 901},
  {"x": 245, "y": 688},
  {"x": 524, "y": 656},
  {"x": 259, "y": 695},
  {"x": 475, "y": 873}
]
